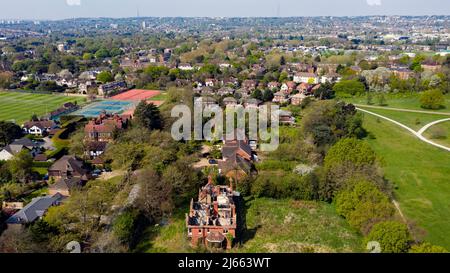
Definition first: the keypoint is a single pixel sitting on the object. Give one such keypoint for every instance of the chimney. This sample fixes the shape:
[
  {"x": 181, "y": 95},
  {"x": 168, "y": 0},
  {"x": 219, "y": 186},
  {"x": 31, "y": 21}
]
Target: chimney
[{"x": 216, "y": 208}]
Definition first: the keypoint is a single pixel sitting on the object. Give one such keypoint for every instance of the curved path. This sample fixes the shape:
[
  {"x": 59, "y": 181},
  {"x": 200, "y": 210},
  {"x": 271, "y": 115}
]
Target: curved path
[
  {"x": 426, "y": 127},
  {"x": 403, "y": 110},
  {"x": 417, "y": 134}
]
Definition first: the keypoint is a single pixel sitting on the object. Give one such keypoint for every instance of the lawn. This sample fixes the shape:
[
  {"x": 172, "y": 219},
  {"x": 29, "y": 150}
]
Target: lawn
[
  {"x": 438, "y": 129},
  {"x": 160, "y": 97},
  {"x": 19, "y": 107},
  {"x": 272, "y": 226},
  {"x": 413, "y": 120},
  {"x": 421, "y": 174},
  {"x": 407, "y": 101}
]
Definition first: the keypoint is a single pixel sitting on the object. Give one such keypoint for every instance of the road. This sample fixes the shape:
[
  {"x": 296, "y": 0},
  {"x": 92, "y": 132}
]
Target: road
[{"x": 417, "y": 134}]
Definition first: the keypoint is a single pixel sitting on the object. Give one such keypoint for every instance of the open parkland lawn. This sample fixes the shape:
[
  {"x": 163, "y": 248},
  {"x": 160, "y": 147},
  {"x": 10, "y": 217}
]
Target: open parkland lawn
[
  {"x": 420, "y": 173},
  {"x": 19, "y": 107},
  {"x": 407, "y": 101}
]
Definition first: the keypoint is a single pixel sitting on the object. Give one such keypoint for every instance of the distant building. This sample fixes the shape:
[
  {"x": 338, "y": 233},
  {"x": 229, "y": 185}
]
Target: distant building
[
  {"x": 305, "y": 77},
  {"x": 112, "y": 88}
]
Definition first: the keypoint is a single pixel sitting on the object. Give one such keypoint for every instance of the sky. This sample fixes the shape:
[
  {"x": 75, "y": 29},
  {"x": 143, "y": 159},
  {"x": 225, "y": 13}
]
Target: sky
[{"x": 63, "y": 9}]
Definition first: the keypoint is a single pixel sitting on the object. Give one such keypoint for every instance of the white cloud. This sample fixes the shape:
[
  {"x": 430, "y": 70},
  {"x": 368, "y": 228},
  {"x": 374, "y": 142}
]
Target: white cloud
[
  {"x": 374, "y": 2},
  {"x": 73, "y": 2}
]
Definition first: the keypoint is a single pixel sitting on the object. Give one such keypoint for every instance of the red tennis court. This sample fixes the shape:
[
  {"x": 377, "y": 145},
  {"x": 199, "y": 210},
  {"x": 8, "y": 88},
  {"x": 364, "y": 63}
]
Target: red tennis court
[{"x": 136, "y": 95}]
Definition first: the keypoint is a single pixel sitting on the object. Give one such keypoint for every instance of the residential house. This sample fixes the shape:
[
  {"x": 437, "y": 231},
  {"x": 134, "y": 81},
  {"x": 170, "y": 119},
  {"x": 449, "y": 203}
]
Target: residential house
[
  {"x": 229, "y": 101},
  {"x": 402, "y": 73},
  {"x": 330, "y": 78},
  {"x": 224, "y": 91},
  {"x": 280, "y": 97},
  {"x": 237, "y": 160},
  {"x": 17, "y": 146},
  {"x": 38, "y": 128},
  {"x": 297, "y": 99},
  {"x": 273, "y": 85},
  {"x": 35, "y": 210},
  {"x": 64, "y": 186},
  {"x": 210, "y": 82},
  {"x": 288, "y": 87},
  {"x": 304, "y": 88},
  {"x": 249, "y": 84},
  {"x": 212, "y": 220},
  {"x": 67, "y": 167},
  {"x": 306, "y": 77},
  {"x": 185, "y": 67},
  {"x": 102, "y": 128}
]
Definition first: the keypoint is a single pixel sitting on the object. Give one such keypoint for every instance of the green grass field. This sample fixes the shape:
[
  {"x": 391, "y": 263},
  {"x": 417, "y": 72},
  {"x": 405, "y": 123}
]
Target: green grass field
[
  {"x": 272, "y": 226},
  {"x": 407, "y": 101},
  {"x": 19, "y": 107},
  {"x": 421, "y": 174},
  {"x": 442, "y": 127},
  {"x": 413, "y": 120}
]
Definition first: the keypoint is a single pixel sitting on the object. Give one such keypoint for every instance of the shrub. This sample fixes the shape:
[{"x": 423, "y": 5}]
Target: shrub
[
  {"x": 393, "y": 237},
  {"x": 364, "y": 205},
  {"x": 291, "y": 185},
  {"x": 432, "y": 99},
  {"x": 427, "y": 248},
  {"x": 123, "y": 227}
]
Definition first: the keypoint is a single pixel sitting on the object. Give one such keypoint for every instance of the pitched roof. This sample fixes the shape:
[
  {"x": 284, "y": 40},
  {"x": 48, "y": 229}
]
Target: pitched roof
[
  {"x": 35, "y": 209},
  {"x": 41, "y": 124},
  {"x": 67, "y": 184},
  {"x": 69, "y": 163}
]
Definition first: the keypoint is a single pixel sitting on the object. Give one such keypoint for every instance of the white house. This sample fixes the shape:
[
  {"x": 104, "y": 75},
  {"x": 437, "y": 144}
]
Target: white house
[
  {"x": 185, "y": 67},
  {"x": 38, "y": 128},
  {"x": 305, "y": 77}
]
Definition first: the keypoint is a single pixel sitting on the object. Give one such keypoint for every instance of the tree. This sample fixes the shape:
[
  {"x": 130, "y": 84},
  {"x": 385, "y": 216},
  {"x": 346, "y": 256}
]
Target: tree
[
  {"x": 155, "y": 197},
  {"x": 88, "y": 56},
  {"x": 21, "y": 166},
  {"x": 257, "y": 94},
  {"x": 432, "y": 99},
  {"x": 148, "y": 116},
  {"x": 105, "y": 76},
  {"x": 427, "y": 248},
  {"x": 363, "y": 205},
  {"x": 6, "y": 79},
  {"x": 349, "y": 88},
  {"x": 102, "y": 53},
  {"x": 267, "y": 95},
  {"x": 393, "y": 237},
  {"x": 8, "y": 132}
]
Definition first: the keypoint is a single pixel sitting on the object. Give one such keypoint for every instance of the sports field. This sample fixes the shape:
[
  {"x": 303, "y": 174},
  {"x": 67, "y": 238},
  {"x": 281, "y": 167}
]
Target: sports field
[
  {"x": 19, "y": 107},
  {"x": 108, "y": 106},
  {"x": 136, "y": 95}
]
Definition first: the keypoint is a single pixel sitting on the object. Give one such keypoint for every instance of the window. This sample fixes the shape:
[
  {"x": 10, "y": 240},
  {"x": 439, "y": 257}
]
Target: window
[{"x": 225, "y": 231}]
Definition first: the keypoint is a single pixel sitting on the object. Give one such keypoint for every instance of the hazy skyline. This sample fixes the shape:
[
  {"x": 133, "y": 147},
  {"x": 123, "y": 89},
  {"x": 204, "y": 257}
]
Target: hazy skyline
[{"x": 61, "y": 9}]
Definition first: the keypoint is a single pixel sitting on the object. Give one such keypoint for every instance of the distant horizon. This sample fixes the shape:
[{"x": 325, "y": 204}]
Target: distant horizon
[
  {"x": 223, "y": 17},
  {"x": 53, "y": 10}
]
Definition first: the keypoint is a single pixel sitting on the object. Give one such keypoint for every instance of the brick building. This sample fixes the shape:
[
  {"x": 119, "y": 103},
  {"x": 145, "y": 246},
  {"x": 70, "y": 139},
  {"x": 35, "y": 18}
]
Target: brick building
[{"x": 212, "y": 220}]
